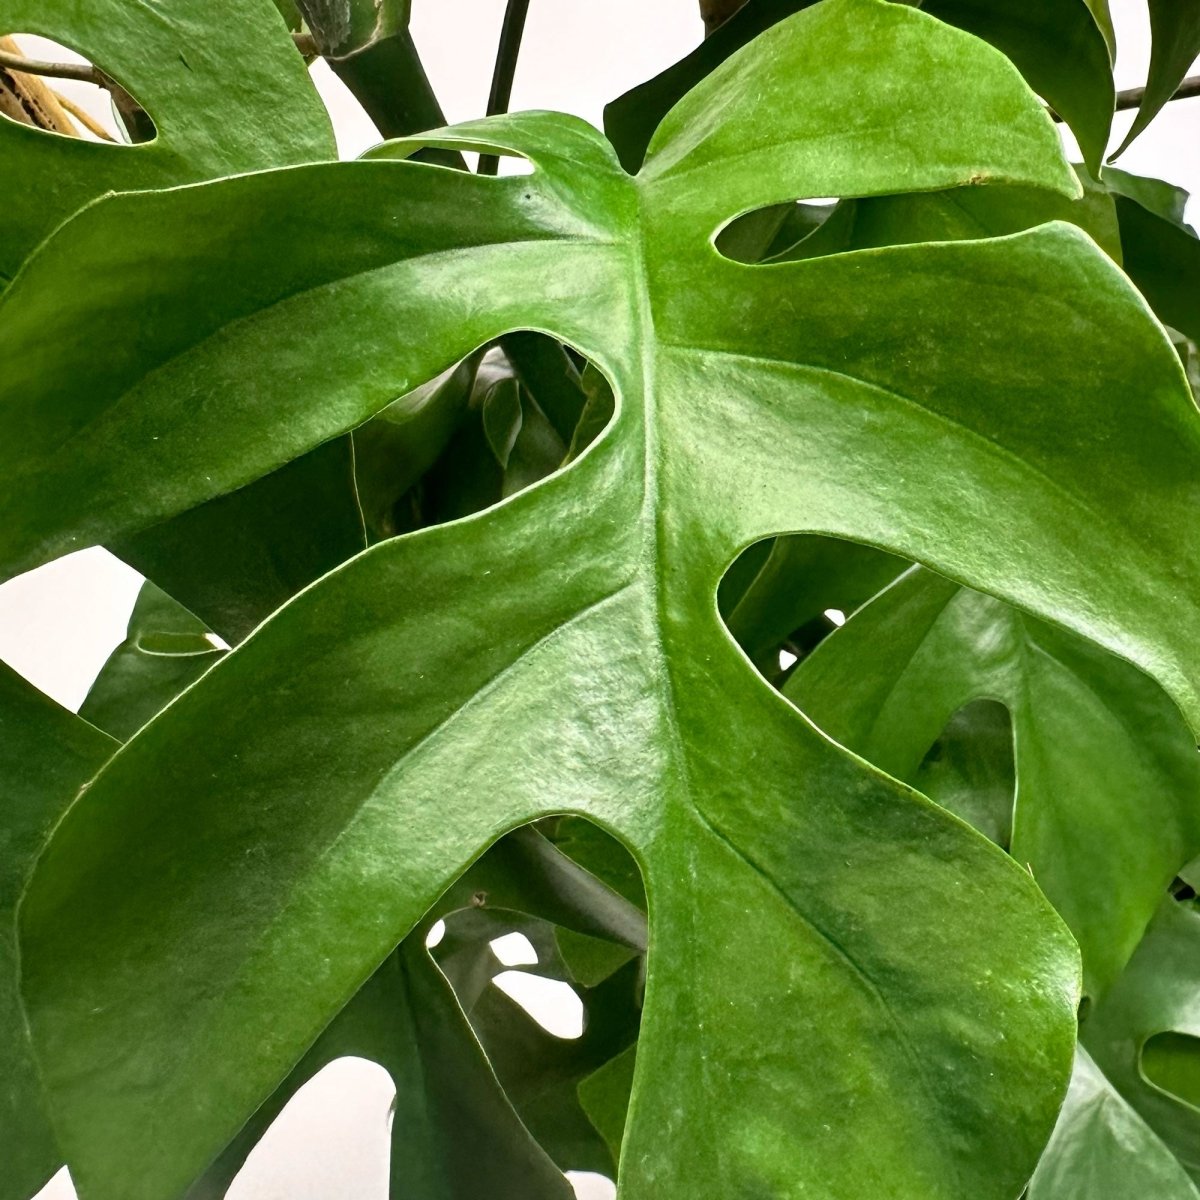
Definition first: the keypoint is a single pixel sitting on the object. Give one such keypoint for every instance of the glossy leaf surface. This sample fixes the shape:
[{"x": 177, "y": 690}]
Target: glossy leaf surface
[
  {"x": 1107, "y": 773},
  {"x": 562, "y": 652},
  {"x": 224, "y": 85},
  {"x": 1060, "y": 46}
]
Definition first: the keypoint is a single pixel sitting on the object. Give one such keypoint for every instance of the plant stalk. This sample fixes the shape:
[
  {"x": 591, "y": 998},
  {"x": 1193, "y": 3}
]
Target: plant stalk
[{"x": 506, "y": 67}]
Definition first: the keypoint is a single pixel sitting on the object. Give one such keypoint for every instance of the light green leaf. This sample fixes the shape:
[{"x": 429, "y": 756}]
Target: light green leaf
[
  {"x": 1062, "y": 47},
  {"x": 46, "y": 756},
  {"x": 561, "y": 652},
  {"x": 1107, "y": 771},
  {"x": 166, "y": 648},
  {"x": 223, "y": 84}
]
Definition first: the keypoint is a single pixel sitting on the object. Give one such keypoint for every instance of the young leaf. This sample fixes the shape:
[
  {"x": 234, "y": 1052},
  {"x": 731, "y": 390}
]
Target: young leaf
[{"x": 223, "y": 83}]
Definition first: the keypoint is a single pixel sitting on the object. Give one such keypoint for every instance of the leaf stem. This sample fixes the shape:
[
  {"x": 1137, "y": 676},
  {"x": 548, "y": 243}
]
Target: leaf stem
[
  {"x": 506, "y": 67},
  {"x": 84, "y": 72},
  {"x": 1132, "y": 97}
]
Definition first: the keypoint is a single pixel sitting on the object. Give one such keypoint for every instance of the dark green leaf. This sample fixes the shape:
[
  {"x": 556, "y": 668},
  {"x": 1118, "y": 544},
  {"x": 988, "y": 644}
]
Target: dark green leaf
[
  {"x": 1158, "y": 993},
  {"x": 1174, "y": 46},
  {"x": 1101, "y": 1147},
  {"x": 237, "y": 558},
  {"x": 46, "y": 757},
  {"x": 561, "y": 652},
  {"x": 166, "y": 649}
]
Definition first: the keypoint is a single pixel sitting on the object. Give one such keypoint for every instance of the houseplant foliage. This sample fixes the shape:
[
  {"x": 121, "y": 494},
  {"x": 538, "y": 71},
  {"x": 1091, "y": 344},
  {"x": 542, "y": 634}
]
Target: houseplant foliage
[{"x": 506, "y": 493}]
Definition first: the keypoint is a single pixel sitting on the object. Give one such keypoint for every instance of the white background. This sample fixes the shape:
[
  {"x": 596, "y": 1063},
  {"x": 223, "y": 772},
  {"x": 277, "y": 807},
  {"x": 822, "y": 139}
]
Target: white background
[{"x": 58, "y": 624}]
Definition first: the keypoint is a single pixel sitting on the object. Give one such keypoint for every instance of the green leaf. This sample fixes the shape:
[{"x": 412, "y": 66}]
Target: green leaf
[
  {"x": 542, "y": 1073},
  {"x": 1160, "y": 251},
  {"x": 1062, "y": 47},
  {"x": 970, "y": 769},
  {"x": 225, "y": 88},
  {"x": 237, "y": 558},
  {"x": 1107, "y": 771},
  {"x": 397, "y": 447},
  {"x": 1101, "y": 1147},
  {"x": 1062, "y": 50},
  {"x": 801, "y": 578},
  {"x": 292, "y": 816},
  {"x": 455, "y": 1132},
  {"x": 1174, "y": 46},
  {"x": 605, "y": 1098},
  {"x": 1157, "y": 994},
  {"x": 46, "y": 757},
  {"x": 166, "y": 648}
]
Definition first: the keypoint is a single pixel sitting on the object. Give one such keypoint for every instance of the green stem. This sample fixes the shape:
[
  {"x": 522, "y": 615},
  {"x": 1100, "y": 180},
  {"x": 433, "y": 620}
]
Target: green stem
[{"x": 506, "y": 67}]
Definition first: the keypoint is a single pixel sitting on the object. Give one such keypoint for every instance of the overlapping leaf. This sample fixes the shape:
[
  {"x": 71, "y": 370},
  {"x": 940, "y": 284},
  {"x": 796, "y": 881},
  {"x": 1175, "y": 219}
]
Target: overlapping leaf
[
  {"x": 562, "y": 652},
  {"x": 1107, "y": 776},
  {"x": 46, "y": 756},
  {"x": 1174, "y": 46},
  {"x": 1145, "y": 1035},
  {"x": 1063, "y": 48},
  {"x": 223, "y": 84},
  {"x": 1101, "y": 1147}
]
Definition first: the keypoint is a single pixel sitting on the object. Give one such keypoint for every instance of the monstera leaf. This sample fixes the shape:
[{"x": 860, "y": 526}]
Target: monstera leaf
[
  {"x": 1145, "y": 1035},
  {"x": 1107, "y": 773},
  {"x": 248, "y": 860},
  {"x": 46, "y": 756},
  {"x": 1062, "y": 47},
  {"x": 223, "y": 84}
]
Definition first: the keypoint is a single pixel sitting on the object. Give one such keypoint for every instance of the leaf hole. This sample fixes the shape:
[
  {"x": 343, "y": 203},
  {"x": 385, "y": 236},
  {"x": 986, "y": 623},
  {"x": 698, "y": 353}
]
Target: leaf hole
[
  {"x": 493, "y": 425},
  {"x": 1170, "y": 1061},
  {"x": 67, "y": 95},
  {"x": 329, "y": 1139},
  {"x": 783, "y": 596},
  {"x": 553, "y": 1004},
  {"x": 784, "y": 232}
]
